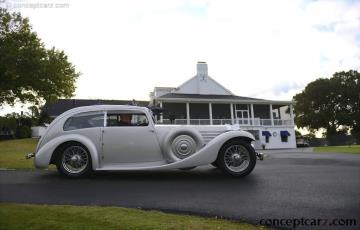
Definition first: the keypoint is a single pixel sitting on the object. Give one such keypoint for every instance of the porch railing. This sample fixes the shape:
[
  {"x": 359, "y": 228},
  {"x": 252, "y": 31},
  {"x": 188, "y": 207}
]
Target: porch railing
[
  {"x": 241, "y": 122},
  {"x": 222, "y": 122},
  {"x": 280, "y": 122},
  {"x": 175, "y": 122}
]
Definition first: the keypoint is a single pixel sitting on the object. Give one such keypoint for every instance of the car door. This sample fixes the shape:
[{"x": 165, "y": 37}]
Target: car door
[{"x": 129, "y": 137}]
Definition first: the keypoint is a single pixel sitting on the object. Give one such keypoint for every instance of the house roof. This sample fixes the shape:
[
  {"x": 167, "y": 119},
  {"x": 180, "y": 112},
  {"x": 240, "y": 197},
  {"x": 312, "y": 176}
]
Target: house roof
[
  {"x": 180, "y": 97},
  {"x": 56, "y": 108},
  {"x": 205, "y": 96}
]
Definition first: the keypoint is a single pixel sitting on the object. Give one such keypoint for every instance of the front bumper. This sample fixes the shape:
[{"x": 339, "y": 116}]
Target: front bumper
[{"x": 259, "y": 156}]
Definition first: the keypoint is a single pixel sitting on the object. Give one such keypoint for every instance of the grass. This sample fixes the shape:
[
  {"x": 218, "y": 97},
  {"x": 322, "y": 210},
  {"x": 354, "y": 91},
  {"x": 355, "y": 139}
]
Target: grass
[
  {"x": 12, "y": 153},
  {"x": 339, "y": 149},
  {"x": 17, "y": 216}
]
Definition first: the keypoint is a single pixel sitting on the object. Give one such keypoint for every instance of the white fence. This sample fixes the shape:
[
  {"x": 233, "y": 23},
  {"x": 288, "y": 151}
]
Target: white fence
[{"x": 241, "y": 122}]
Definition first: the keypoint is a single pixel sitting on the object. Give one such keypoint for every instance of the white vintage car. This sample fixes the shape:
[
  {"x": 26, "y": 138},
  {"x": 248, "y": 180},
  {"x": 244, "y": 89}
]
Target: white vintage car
[{"x": 116, "y": 137}]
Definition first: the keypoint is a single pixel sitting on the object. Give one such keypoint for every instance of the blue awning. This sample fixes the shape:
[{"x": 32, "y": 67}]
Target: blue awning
[
  {"x": 284, "y": 133},
  {"x": 266, "y": 133}
]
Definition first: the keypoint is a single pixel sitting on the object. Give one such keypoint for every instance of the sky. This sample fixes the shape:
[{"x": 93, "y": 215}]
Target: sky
[{"x": 263, "y": 49}]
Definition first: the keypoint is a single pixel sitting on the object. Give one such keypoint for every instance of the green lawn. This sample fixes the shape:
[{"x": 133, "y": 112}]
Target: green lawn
[
  {"x": 12, "y": 153},
  {"x": 339, "y": 149},
  {"x": 25, "y": 216}
]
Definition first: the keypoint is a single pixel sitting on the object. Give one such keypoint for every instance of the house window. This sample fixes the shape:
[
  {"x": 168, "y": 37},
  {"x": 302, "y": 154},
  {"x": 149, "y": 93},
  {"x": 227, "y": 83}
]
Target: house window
[
  {"x": 284, "y": 135},
  {"x": 267, "y": 135}
]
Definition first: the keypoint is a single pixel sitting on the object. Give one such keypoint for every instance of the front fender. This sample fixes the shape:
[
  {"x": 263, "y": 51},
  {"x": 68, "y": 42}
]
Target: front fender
[{"x": 44, "y": 154}]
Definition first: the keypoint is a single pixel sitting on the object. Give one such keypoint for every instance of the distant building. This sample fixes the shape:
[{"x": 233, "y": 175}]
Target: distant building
[{"x": 203, "y": 101}]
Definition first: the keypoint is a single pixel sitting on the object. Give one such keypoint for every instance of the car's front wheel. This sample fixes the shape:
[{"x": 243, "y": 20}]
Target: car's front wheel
[
  {"x": 236, "y": 158},
  {"x": 74, "y": 160}
]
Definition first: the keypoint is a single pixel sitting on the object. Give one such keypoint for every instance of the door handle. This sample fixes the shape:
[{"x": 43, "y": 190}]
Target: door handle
[{"x": 152, "y": 131}]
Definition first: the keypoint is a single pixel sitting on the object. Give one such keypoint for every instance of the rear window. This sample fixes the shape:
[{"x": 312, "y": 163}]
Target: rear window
[{"x": 84, "y": 120}]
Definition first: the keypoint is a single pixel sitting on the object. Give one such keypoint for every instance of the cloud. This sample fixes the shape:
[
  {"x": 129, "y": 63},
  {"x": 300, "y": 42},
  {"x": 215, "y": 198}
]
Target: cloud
[
  {"x": 285, "y": 87},
  {"x": 265, "y": 48}
]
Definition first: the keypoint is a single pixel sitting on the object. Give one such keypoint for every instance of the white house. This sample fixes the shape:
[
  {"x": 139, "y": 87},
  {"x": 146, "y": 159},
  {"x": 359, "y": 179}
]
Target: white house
[{"x": 203, "y": 101}]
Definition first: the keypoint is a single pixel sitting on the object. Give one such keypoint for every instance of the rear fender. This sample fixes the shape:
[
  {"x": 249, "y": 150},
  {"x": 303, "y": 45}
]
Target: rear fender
[{"x": 44, "y": 154}]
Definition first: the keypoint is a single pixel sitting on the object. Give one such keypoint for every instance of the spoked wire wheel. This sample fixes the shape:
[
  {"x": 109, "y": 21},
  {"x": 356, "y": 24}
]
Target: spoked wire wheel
[
  {"x": 75, "y": 159},
  {"x": 236, "y": 158}
]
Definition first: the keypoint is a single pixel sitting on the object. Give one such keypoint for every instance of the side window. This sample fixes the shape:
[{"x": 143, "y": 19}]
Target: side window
[
  {"x": 126, "y": 119},
  {"x": 84, "y": 120}
]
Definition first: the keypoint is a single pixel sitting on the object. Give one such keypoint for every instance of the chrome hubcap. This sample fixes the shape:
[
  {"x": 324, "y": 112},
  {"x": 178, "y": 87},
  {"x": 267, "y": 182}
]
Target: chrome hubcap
[
  {"x": 75, "y": 159},
  {"x": 183, "y": 146},
  {"x": 236, "y": 158}
]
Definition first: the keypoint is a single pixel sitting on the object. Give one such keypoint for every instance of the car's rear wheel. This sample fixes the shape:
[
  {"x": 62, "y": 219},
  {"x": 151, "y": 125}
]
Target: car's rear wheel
[
  {"x": 74, "y": 160},
  {"x": 236, "y": 158}
]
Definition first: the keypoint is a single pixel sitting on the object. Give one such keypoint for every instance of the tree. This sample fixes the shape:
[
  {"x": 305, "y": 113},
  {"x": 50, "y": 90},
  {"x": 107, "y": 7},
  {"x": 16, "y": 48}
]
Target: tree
[
  {"x": 298, "y": 134},
  {"x": 348, "y": 100},
  {"x": 332, "y": 104},
  {"x": 28, "y": 71},
  {"x": 314, "y": 108}
]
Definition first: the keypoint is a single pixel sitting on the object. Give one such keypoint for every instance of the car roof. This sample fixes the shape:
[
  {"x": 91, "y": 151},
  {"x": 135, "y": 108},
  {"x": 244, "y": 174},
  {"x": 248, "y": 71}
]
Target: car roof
[{"x": 103, "y": 107}]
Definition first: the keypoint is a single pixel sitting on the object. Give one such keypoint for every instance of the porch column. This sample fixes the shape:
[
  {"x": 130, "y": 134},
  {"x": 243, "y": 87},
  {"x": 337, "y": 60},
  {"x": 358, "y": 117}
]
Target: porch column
[
  {"x": 271, "y": 116},
  {"x": 161, "y": 115},
  {"x": 291, "y": 114},
  {"x": 252, "y": 114},
  {"x": 210, "y": 113},
  {"x": 187, "y": 113},
  {"x": 232, "y": 113}
]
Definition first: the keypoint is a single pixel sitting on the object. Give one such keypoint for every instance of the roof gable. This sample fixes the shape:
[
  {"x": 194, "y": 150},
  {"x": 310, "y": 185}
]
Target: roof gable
[{"x": 203, "y": 85}]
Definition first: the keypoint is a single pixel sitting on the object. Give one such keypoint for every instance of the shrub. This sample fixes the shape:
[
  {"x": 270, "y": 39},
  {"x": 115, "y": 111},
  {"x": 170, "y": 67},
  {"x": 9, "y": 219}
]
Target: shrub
[{"x": 23, "y": 132}]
